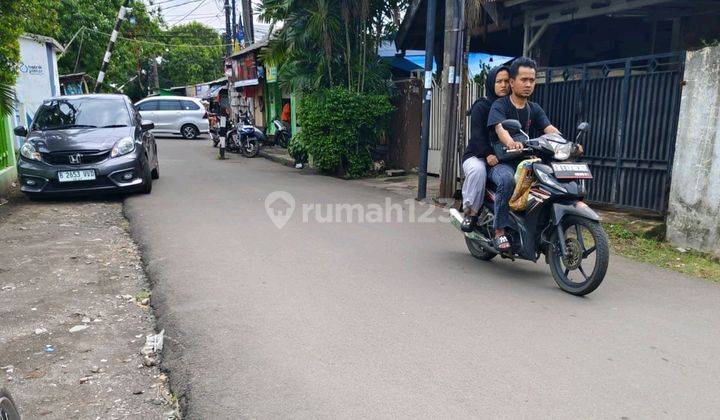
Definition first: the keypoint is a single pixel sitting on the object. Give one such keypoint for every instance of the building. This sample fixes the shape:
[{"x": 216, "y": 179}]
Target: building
[
  {"x": 37, "y": 80},
  {"x": 255, "y": 87}
]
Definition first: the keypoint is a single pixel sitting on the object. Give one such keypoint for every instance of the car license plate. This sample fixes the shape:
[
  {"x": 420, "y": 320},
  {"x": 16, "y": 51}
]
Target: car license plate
[
  {"x": 572, "y": 171},
  {"x": 73, "y": 176}
]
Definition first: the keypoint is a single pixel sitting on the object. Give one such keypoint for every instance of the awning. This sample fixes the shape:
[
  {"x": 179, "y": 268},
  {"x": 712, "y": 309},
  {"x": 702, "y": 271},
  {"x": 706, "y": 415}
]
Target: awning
[
  {"x": 247, "y": 82},
  {"x": 213, "y": 92}
]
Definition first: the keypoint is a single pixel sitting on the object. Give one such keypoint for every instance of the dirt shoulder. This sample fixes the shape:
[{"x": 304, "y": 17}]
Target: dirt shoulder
[{"x": 71, "y": 266}]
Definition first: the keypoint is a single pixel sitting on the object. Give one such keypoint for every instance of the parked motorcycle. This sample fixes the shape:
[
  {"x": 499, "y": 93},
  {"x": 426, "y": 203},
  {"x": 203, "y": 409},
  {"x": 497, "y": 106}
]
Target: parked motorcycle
[
  {"x": 245, "y": 138},
  {"x": 556, "y": 223},
  {"x": 282, "y": 134}
]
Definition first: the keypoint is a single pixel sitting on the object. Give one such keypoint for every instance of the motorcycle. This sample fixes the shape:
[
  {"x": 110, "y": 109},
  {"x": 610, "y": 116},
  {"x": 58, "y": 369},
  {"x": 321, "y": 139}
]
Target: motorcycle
[
  {"x": 245, "y": 138},
  {"x": 282, "y": 134},
  {"x": 556, "y": 223}
]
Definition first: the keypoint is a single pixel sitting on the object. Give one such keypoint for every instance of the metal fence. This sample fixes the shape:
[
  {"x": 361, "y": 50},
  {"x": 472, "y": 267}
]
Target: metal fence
[{"x": 633, "y": 107}]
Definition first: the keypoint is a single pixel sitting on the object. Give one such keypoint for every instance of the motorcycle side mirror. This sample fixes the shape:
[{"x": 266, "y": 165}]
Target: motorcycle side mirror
[
  {"x": 512, "y": 125},
  {"x": 581, "y": 129}
]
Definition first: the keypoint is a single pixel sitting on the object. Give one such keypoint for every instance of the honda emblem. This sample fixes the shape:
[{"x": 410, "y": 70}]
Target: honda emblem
[{"x": 75, "y": 159}]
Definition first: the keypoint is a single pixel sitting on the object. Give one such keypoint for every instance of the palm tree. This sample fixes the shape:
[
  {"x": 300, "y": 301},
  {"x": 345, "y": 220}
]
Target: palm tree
[{"x": 7, "y": 99}]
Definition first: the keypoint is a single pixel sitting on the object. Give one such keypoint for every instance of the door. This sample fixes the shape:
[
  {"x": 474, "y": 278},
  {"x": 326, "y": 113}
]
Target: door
[
  {"x": 147, "y": 110},
  {"x": 633, "y": 106},
  {"x": 168, "y": 115}
]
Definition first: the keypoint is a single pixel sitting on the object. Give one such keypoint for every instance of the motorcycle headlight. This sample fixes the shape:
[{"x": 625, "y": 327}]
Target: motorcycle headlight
[
  {"x": 562, "y": 150},
  {"x": 123, "y": 147},
  {"x": 28, "y": 151}
]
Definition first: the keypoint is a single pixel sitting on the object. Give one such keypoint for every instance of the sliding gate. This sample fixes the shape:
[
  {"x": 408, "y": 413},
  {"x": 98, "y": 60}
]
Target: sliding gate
[{"x": 632, "y": 106}]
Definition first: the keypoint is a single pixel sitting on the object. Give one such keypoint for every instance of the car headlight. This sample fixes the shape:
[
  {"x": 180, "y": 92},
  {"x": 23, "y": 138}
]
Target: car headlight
[
  {"x": 123, "y": 147},
  {"x": 28, "y": 151}
]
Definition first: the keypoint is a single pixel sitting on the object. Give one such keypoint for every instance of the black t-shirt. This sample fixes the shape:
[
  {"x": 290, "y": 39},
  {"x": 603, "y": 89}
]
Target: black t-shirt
[{"x": 532, "y": 116}]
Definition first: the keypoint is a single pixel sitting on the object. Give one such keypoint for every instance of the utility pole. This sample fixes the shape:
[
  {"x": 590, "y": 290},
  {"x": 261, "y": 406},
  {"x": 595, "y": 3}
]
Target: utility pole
[
  {"x": 449, "y": 103},
  {"x": 427, "y": 99},
  {"x": 248, "y": 21},
  {"x": 228, "y": 31},
  {"x": 234, "y": 21},
  {"x": 111, "y": 44},
  {"x": 155, "y": 76}
]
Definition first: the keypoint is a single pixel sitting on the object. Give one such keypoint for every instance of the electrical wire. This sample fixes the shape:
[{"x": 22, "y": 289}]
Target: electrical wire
[
  {"x": 160, "y": 43},
  {"x": 190, "y": 12}
]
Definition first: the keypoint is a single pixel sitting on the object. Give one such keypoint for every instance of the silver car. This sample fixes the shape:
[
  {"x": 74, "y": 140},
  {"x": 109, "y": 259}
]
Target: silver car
[{"x": 175, "y": 115}]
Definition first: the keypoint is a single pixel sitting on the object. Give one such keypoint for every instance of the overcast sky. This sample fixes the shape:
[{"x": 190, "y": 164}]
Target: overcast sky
[{"x": 208, "y": 12}]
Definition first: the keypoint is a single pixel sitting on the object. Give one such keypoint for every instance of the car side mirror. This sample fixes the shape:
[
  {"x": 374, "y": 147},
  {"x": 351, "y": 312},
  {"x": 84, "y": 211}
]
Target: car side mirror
[
  {"x": 147, "y": 125},
  {"x": 20, "y": 131},
  {"x": 512, "y": 125}
]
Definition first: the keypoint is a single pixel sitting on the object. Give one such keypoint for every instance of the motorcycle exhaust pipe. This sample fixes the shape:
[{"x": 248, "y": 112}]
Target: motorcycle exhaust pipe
[{"x": 456, "y": 219}]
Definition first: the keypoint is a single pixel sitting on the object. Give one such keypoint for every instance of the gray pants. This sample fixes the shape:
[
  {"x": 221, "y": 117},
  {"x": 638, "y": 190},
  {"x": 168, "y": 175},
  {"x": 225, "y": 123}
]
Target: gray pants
[{"x": 473, "y": 189}]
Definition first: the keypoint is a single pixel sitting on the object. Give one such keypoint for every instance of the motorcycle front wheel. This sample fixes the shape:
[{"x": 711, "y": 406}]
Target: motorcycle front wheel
[
  {"x": 251, "y": 148},
  {"x": 8, "y": 409},
  {"x": 588, "y": 254}
]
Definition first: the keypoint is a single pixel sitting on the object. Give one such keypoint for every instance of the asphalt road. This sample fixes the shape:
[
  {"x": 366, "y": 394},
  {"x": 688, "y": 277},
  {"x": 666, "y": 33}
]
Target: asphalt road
[{"x": 379, "y": 320}]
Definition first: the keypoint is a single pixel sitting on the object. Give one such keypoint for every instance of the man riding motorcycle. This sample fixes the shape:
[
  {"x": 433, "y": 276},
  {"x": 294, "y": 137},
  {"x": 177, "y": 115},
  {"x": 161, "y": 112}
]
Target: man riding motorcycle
[{"x": 514, "y": 106}]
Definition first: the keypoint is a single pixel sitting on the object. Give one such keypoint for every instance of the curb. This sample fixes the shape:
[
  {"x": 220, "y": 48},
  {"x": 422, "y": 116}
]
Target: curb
[{"x": 283, "y": 160}]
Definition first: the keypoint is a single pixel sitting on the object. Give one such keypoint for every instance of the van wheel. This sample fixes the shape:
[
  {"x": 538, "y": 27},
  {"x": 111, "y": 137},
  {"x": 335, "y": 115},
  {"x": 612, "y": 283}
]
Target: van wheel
[{"x": 189, "y": 131}]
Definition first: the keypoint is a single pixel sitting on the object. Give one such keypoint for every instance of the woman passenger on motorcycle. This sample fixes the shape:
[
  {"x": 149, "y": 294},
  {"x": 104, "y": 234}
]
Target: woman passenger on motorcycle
[{"x": 479, "y": 152}]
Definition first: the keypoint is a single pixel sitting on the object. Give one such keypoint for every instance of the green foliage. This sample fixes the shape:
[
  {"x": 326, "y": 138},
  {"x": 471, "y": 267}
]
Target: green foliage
[
  {"x": 327, "y": 43},
  {"x": 185, "y": 65},
  {"x": 629, "y": 244},
  {"x": 298, "y": 150},
  {"x": 340, "y": 127},
  {"x": 143, "y": 36}
]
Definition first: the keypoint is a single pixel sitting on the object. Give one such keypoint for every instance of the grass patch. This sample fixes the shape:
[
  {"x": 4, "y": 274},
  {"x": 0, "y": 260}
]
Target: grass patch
[
  {"x": 662, "y": 254},
  {"x": 143, "y": 294}
]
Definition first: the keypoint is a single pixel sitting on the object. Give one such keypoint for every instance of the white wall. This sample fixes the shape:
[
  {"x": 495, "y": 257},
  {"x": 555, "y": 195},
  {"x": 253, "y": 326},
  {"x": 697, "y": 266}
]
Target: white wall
[
  {"x": 694, "y": 205},
  {"x": 37, "y": 78}
]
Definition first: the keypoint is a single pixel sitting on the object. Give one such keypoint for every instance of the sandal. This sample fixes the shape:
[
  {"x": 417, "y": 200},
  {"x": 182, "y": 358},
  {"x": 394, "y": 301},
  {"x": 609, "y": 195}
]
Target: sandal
[
  {"x": 468, "y": 224},
  {"x": 502, "y": 243}
]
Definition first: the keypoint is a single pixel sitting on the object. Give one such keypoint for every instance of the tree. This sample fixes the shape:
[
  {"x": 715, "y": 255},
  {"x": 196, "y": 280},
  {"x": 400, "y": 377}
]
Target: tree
[
  {"x": 184, "y": 65},
  {"x": 143, "y": 37},
  {"x": 348, "y": 33}
]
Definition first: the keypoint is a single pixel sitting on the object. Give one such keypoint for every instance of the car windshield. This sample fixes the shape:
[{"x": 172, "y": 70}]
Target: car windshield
[{"x": 81, "y": 112}]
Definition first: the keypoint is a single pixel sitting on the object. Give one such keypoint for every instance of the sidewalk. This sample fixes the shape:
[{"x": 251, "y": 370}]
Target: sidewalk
[
  {"x": 73, "y": 315},
  {"x": 406, "y": 186}
]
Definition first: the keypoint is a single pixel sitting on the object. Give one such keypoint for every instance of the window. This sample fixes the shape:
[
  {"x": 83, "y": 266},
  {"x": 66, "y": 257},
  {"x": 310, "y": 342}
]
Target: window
[
  {"x": 189, "y": 106},
  {"x": 147, "y": 106},
  {"x": 168, "y": 105},
  {"x": 81, "y": 112}
]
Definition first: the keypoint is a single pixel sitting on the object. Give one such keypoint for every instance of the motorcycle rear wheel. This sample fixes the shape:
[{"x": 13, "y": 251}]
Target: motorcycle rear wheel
[
  {"x": 578, "y": 232},
  {"x": 478, "y": 251}
]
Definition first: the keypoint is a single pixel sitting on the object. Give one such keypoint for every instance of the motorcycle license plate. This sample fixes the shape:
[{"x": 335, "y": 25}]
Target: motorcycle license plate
[{"x": 572, "y": 171}]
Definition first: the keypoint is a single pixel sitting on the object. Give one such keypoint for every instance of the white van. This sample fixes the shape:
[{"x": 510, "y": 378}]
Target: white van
[{"x": 175, "y": 115}]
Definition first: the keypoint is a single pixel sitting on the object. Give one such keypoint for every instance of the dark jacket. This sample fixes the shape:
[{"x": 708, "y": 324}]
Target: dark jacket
[{"x": 479, "y": 143}]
